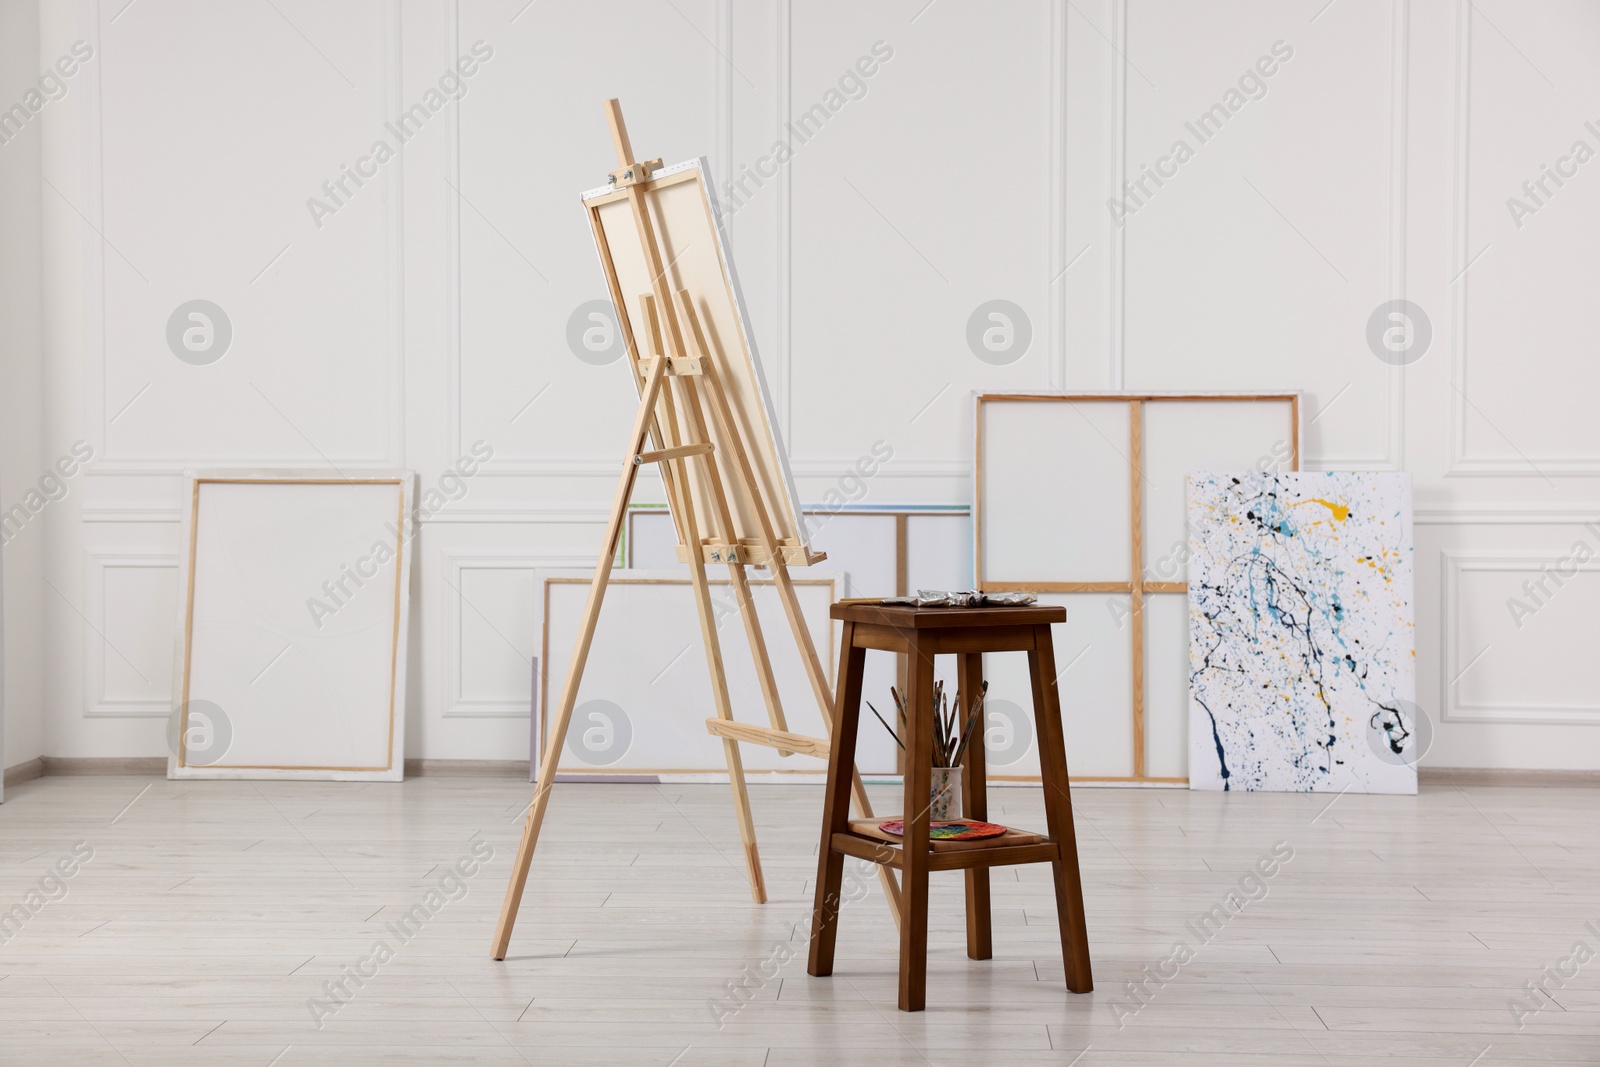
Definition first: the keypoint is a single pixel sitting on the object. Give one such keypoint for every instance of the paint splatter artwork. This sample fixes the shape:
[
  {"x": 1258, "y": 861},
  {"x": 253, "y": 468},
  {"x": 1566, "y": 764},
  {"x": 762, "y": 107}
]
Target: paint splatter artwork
[{"x": 1301, "y": 637}]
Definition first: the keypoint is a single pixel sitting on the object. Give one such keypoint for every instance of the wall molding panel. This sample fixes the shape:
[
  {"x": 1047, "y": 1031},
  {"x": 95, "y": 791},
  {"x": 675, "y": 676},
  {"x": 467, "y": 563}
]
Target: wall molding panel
[
  {"x": 1392, "y": 457},
  {"x": 1506, "y": 515},
  {"x": 99, "y": 403},
  {"x": 455, "y": 606},
  {"x": 582, "y": 466},
  {"x": 1462, "y": 462},
  {"x": 97, "y": 647},
  {"x": 1457, "y": 662}
]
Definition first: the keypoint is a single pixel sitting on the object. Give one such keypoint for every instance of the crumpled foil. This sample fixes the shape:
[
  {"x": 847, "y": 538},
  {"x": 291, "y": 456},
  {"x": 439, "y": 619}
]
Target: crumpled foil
[{"x": 962, "y": 598}]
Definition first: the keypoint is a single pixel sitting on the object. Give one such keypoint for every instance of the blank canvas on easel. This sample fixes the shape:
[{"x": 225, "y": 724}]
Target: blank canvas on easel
[{"x": 696, "y": 259}]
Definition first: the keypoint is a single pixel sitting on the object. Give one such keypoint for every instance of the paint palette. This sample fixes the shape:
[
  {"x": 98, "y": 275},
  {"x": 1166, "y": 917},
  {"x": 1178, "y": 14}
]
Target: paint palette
[{"x": 952, "y": 830}]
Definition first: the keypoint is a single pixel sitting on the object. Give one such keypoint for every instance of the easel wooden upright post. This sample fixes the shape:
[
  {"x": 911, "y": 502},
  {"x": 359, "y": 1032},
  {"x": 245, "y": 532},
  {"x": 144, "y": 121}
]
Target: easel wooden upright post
[{"x": 676, "y": 423}]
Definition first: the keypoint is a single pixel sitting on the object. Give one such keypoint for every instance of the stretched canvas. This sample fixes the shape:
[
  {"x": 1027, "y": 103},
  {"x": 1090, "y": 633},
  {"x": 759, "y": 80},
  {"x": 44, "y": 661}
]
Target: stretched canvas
[
  {"x": 1301, "y": 636},
  {"x": 293, "y": 607}
]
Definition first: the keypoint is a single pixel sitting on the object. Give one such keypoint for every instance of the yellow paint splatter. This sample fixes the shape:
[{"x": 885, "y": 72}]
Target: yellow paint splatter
[{"x": 1340, "y": 511}]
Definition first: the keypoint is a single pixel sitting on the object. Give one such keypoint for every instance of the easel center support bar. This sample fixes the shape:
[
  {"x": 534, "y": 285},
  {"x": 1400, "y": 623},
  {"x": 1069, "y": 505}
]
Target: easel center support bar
[{"x": 664, "y": 454}]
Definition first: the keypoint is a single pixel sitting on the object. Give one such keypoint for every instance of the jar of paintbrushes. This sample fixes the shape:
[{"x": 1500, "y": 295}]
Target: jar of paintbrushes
[{"x": 950, "y": 740}]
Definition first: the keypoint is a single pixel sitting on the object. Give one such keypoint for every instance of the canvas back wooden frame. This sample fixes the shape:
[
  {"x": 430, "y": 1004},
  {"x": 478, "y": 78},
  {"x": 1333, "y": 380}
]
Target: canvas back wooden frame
[{"x": 1125, "y": 459}]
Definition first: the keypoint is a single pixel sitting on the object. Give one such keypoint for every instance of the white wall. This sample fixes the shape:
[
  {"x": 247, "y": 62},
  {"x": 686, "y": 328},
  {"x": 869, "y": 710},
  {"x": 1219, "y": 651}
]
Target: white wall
[
  {"x": 431, "y": 310},
  {"x": 21, "y": 393}
]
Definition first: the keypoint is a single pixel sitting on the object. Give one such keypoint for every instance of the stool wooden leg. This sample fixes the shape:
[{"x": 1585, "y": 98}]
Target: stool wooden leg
[
  {"x": 916, "y": 848},
  {"x": 836, "y": 804},
  {"x": 975, "y": 805},
  {"x": 1058, "y": 812}
]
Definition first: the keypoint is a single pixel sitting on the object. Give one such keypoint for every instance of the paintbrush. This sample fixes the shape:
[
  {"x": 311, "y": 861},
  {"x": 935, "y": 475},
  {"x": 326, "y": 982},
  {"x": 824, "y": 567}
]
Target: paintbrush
[
  {"x": 972, "y": 720},
  {"x": 885, "y": 722},
  {"x": 900, "y": 705}
]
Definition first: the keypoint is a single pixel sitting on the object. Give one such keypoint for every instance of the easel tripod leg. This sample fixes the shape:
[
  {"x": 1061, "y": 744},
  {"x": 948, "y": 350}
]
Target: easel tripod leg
[
  {"x": 714, "y": 666},
  {"x": 730, "y": 748},
  {"x": 819, "y": 684},
  {"x": 580, "y": 657},
  {"x": 747, "y": 828}
]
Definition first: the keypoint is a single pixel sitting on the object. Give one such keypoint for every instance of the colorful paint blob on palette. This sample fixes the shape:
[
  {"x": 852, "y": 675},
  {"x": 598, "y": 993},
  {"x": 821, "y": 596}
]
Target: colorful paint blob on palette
[{"x": 955, "y": 830}]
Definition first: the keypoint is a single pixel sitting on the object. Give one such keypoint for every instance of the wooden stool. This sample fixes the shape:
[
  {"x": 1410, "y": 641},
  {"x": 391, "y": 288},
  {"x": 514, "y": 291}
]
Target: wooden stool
[{"x": 920, "y": 634}]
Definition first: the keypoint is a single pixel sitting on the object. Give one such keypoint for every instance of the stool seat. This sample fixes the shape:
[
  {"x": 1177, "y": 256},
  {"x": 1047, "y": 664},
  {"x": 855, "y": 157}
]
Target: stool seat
[{"x": 920, "y": 634}]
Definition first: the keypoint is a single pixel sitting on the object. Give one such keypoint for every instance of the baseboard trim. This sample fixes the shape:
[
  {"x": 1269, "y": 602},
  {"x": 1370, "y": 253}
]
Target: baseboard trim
[
  {"x": 24, "y": 772},
  {"x": 1505, "y": 776},
  {"x": 467, "y": 768},
  {"x": 64, "y": 766},
  {"x": 156, "y": 766}
]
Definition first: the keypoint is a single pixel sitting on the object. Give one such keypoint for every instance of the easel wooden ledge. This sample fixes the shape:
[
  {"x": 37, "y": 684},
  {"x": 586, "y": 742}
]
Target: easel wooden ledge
[{"x": 679, "y": 353}]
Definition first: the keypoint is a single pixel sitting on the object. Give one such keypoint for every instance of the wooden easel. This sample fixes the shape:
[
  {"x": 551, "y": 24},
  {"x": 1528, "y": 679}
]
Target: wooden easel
[{"x": 675, "y": 422}]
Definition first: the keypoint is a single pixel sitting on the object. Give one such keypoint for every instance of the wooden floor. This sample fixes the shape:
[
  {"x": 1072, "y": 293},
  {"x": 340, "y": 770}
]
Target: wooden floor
[{"x": 211, "y": 918}]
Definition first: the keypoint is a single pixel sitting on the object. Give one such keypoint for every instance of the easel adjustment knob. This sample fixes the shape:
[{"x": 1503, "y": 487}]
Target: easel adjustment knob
[{"x": 633, "y": 173}]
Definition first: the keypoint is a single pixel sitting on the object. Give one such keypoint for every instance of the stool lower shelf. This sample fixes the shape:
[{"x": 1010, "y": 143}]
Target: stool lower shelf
[{"x": 866, "y": 841}]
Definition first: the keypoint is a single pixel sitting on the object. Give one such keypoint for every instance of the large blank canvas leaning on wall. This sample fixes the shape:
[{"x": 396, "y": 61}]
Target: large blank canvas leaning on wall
[
  {"x": 646, "y": 695},
  {"x": 292, "y": 610},
  {"x": 1055, "y": 500}
]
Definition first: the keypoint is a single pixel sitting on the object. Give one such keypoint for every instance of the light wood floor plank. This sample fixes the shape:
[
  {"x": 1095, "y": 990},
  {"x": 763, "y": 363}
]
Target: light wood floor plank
[{"x": 214, "y": 918}]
